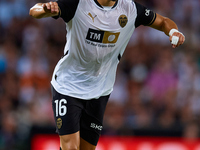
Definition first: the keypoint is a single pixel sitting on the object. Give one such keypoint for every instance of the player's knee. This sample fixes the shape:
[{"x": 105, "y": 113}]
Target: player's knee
[
  {"x": 66, "y": 145},
  {"x": 70, "y": 147},
  {"x": 70, "y": 143}
]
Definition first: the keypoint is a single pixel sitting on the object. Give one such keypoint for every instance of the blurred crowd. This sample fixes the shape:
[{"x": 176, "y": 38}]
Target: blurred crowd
[{"x": 157, "y": 87}]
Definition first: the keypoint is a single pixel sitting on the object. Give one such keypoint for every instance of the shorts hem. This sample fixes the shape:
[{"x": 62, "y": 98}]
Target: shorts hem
[
  {"x": 87, "y": 136},
  {"x": 67, "y": 133}
]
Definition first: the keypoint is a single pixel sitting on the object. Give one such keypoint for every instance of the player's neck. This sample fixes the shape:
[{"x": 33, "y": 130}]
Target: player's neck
[{"x": 106, "y": 2}]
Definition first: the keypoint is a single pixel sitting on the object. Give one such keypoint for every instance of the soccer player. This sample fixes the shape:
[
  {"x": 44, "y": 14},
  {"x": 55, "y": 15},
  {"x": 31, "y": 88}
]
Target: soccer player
[{"x": 97, "y": 34}]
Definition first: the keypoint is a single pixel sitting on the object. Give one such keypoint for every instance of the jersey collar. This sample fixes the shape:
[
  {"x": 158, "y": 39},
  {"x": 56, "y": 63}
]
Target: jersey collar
[{"x": 102, "y": 6}]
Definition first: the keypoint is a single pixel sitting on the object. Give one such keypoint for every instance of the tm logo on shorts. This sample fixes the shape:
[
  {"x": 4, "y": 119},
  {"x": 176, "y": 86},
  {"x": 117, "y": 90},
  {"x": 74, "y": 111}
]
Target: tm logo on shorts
[
  {"x": 104, "y": 37},
  {"x": 94, "y": 126}
]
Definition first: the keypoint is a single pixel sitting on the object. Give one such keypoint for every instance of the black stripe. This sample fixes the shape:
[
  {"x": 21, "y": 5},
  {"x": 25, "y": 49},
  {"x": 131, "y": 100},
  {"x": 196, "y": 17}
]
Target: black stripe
[
  {"x": 119, "y": 57},
  {"x": 67, "y": 9},
  {"x": 98, "y": 3},
  {"x": 154, "y": 18},
  {"x": 142, "y": 18},
  {"x": 65, "y": 54},
  {"x": 55, "y": 77},
  {"x": 115, "y": 4},
  {"x": 102, "y": 7}
]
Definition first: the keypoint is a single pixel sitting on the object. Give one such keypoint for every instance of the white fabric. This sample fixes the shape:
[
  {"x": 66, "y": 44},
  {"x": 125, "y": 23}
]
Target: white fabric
[
  {"x": 171, "y": 32},
  {"x": 89, "y": 69},
  {"x": 175, "y": 40},
  {"x": 107, "y": 7}
]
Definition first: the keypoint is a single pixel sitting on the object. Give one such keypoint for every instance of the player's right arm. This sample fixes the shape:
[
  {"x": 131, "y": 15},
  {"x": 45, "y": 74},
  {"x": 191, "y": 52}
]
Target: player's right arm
[{"x": 43, "y": 10}]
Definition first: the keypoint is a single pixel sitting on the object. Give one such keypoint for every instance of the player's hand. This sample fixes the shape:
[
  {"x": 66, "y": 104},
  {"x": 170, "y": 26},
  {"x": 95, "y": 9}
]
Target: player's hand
[
  {"x": 51, "y": 7},
  {"x": 177, "y": 39}
]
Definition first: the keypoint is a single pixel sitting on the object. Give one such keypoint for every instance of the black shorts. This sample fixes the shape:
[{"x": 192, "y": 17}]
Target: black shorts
[{"x": 73, "y": 114}]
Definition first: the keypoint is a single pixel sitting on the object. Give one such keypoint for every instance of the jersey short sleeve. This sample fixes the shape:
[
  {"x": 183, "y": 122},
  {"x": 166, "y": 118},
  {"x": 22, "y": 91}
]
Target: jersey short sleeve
[
  {"x": 67, "y": 9},
  {"x": 144, "y": 16}
]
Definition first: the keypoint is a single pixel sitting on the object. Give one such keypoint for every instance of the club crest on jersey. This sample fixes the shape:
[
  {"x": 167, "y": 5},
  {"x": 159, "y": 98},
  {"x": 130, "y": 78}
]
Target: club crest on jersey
[{"x": 123, "y": 20}]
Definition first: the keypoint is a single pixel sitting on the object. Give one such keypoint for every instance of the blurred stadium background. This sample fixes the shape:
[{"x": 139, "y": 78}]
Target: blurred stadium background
[{"x": 157, "y": 90}]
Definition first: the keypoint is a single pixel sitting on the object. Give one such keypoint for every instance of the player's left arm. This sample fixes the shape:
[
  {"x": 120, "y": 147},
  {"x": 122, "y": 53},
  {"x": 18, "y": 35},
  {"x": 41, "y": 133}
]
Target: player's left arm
[{"x": 170, "y": 28}]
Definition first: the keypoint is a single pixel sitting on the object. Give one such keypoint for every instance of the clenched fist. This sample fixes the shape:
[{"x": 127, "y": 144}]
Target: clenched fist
[
  {"x": 51, "y": 7},
  {"x": 177, "y": 38}
]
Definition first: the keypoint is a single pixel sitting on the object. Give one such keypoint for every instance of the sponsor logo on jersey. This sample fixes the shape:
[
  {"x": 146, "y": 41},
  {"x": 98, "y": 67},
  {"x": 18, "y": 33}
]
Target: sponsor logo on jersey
[
  {"x": 104, "y": 37},
  {"x": 123, "y": 20},
  {"x": 92, "y": 16},
  {"x": 98, "y": 127},
  {"x": 59, "y": 123}
]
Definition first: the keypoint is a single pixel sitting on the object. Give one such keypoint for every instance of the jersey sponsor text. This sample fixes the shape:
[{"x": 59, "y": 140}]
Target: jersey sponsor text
[{"x": 104, "y": 37}]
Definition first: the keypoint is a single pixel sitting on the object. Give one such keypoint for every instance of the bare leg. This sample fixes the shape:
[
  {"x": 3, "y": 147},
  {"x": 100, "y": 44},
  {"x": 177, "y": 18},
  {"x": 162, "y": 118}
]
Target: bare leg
[
  {"x": 86, "y": 146},
  {"x": 70, "y": 142}
]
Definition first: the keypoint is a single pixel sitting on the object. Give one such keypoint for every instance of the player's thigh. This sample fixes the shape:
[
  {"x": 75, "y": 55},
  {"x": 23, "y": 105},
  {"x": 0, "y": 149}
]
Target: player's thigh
[
  {"x": 92, "y": 120},
  {"x": 67, "y": 113},
  {"x": 70, "y": 141},
  {"x": 84, "y": 145}
]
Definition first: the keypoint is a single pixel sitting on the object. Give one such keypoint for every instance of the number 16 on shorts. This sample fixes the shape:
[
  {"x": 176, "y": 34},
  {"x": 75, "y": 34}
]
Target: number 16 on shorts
[{"x": 61, "y": 108}]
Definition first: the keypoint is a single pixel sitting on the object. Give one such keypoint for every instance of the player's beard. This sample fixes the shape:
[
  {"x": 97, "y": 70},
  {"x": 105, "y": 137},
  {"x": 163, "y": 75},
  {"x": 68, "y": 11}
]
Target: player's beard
[{"x": 114, "y": 0}]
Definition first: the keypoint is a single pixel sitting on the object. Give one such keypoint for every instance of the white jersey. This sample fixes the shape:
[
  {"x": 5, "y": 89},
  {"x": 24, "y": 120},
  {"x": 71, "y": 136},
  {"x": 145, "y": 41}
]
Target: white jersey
[{"x": 96, "y": 40}]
